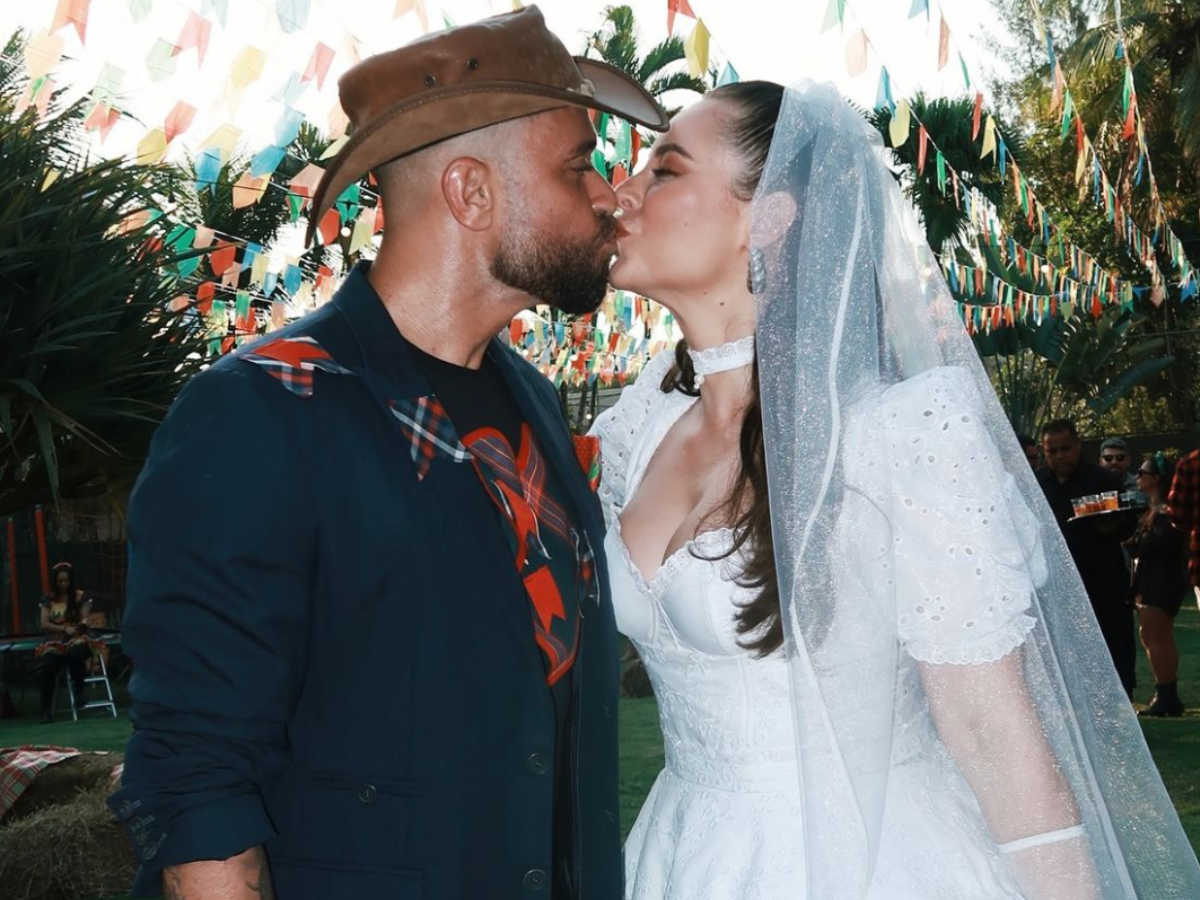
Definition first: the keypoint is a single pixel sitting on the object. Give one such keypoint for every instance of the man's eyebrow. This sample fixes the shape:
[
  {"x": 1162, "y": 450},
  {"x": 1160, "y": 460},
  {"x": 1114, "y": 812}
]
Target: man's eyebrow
[
  {"x": 664, "y": 149},
  {"x": 584, "y": 148}
]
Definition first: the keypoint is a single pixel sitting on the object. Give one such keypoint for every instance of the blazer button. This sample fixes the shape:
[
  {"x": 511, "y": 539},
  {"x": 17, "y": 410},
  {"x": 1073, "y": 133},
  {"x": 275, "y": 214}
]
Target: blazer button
[
  {"x": 535, "y": 880},
  {"x": 367, "y": 793},
  {"x": 537, "y": 764}
]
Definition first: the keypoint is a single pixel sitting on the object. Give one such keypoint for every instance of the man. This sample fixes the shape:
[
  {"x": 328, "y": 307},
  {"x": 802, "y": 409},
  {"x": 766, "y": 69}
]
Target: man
[
  {"x": 1115, "y": 456},
  {"x": 373, "y": 654},
  {"x": 1095, "y": 544},
  {"x": 1184, "y": 506}
]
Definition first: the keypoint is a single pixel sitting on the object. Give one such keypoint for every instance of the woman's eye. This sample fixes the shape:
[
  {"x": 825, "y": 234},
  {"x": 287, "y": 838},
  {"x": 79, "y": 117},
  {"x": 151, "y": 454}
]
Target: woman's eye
[{"x": 662, "y": 173}]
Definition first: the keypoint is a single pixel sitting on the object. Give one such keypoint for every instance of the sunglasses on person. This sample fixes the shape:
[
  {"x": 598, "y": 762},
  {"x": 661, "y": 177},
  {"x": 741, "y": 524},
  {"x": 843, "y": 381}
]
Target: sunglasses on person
[
  {"x": 1114, "y": 457},
  {"x": 1146, "y": 472}
]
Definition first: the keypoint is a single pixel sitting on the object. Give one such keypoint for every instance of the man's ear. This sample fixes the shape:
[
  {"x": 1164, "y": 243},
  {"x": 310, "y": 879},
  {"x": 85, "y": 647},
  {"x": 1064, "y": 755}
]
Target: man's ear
[{"x": 469, "y": 189}]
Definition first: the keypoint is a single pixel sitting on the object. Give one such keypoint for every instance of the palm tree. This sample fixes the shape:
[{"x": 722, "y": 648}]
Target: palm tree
[
  {"x": 616, "y": 43},
  {"x": 90, "y": 353}
]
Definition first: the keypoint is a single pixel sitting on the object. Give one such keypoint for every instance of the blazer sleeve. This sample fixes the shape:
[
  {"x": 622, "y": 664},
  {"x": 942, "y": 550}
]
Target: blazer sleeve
[{"x": 222, "y": 539}]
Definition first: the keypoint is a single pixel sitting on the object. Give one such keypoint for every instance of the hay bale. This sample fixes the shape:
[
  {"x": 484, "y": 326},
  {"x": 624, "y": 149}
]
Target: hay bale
[
  {"x": 63, "y": 783},
  {"x": 67, "y": 851}
]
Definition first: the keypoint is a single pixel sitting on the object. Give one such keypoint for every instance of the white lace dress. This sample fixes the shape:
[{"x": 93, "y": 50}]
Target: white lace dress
[{"x": 724, "y": 820}]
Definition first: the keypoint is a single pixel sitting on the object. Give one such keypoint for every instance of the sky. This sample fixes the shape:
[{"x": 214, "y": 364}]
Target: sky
[
  {"x": 780, "y": 40},
  {"x": 126, "y": 53}
]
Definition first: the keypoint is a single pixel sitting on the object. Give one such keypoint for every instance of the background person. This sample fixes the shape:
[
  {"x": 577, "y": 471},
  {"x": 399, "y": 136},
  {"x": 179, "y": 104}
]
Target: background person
[
  {"x": 1116, "y": 457},
  {"x": 1158, "y": 584},
  {"x": 64, "y": 612},
  {"x": 1095, "y": 544}
]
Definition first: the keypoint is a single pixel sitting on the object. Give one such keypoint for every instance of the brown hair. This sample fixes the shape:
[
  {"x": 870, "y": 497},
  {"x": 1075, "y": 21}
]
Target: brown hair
[{"x": 754, "y": 110}]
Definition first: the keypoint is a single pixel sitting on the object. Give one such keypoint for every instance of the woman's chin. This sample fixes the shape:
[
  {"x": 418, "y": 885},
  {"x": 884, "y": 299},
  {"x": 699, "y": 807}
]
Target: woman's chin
[{"x": 622, "y": 277}]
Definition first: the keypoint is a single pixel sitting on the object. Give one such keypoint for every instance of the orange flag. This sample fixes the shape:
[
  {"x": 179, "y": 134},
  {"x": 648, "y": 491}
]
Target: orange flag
[
  {"x": 179, "y": 120},
  {"x": 922, "y": 140},
  {"x": 677, "y": 6},
  {"x": 318, "y": 65},
  {"x": 72, "y": 12},
  {"x": 222, "y": 258},
  {"x": 1128, "y": 130},
  {"x": 943, "y": 45},
  {"x": 102, "y": 117},
  {"x": 331, "y": 224},
  {"x": 195, "y": 34},
  {"x": 975, "y": 116}
]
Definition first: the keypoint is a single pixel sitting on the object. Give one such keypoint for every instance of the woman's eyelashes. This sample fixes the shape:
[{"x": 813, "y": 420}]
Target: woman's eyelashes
[{"x": 662, "y": 173}]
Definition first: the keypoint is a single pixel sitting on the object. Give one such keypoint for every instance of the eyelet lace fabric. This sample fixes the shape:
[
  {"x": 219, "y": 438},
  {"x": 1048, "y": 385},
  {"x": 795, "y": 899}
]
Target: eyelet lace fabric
[
  {"x": 732, "y": 355},
  {"x": 724, "y": 818}
]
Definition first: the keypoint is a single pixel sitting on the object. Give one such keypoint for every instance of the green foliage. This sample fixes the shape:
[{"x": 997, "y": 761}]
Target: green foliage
[{"x": 90, "y": 358}]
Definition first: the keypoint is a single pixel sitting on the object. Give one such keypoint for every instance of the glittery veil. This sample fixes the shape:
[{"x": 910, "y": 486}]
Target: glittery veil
[{"x": 919, "y": 564}]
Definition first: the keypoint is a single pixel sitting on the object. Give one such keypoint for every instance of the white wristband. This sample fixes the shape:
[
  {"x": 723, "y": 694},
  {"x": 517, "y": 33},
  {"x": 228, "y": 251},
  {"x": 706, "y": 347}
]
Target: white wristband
[{"x": 1037, "y": 840}]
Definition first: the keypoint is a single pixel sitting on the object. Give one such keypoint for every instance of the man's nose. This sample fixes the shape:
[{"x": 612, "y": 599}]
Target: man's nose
[{"x": 604, "y": 199}]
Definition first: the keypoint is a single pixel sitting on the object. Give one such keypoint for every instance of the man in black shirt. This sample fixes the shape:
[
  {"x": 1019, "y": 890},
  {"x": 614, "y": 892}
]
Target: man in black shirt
[{"x": 1095, "y": 544}]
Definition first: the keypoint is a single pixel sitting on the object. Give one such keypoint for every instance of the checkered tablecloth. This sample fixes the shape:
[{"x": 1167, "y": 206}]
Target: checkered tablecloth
[{"x": 20, "y": 765}]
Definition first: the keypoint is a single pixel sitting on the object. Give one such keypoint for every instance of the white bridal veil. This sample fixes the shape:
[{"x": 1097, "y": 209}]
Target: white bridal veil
[{"x": 937, "y": 630}]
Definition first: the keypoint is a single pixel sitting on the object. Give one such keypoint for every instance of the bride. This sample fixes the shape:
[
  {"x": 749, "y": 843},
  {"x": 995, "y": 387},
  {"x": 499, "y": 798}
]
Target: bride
[{"x": 876, "y": 670}]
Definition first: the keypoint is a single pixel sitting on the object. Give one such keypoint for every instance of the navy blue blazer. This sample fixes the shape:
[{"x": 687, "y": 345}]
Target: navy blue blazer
[{"x": 335, "y": 659}]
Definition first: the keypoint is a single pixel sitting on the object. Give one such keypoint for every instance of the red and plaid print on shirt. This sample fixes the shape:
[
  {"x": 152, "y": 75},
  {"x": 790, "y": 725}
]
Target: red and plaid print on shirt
[{"x": 1184, "y": 505}]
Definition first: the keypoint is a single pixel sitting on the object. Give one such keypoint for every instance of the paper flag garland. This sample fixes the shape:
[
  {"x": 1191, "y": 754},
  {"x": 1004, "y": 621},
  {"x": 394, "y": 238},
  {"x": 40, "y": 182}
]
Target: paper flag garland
[
  {"x": 249, "y": 190},
  {"x": 729, "y": 75},
  {"x": 318, "y": 65},
  {"x": 899, "y": 126},
  {"x": 195, "y": 35},
  {"x": 179, "y": 120},
  {"x": 681, "y": 7},
  {"x": 288, "y": 126},
  {"x": 152, "y": 148},
  {"x": 304, "y": 184},
  {"x": 418, "y": 6},
  {"x": 290, "y": 92},
  {"x": 989, "y": 139},
  {"x": 696, "y": 49},
  {"x": 918, "y": 7},
  {"x": 162, "y": 60},
  {"x": 221, "y": 7},
  {"x": 943, "y": 44},
  {"x": 293, "y": 14},
  {"x": 72, "y": 12},
  {"x": 835, "y": 14},
  {"x": 42, "y": 54},
  {"x": 102, "y": 117},
  {"x": 267, "y": 160},
  {"x": 139, "y": 9},
  {"x": 856, "y": 54}
]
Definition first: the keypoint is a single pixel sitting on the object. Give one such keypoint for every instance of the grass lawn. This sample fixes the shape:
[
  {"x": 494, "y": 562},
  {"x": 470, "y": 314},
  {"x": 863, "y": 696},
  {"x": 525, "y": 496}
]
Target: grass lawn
[{"x": 1175, "y": 743}]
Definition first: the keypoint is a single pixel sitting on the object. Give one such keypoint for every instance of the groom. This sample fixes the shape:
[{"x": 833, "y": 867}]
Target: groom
[{"x": 373, "y": 656}]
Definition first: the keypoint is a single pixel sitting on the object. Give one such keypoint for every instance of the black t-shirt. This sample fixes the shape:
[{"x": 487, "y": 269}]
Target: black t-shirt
[
  {"x": 1097, "y": 553},
  {"x": 480, "y": 398}
]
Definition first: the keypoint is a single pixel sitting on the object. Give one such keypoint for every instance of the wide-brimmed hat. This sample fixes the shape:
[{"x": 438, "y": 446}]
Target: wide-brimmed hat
[{"x": 464, "y": 79}]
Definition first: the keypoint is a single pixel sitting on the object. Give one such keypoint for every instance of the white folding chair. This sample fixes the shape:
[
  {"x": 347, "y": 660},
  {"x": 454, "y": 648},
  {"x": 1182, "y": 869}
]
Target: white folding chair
[{"x": 81, "y": 704}]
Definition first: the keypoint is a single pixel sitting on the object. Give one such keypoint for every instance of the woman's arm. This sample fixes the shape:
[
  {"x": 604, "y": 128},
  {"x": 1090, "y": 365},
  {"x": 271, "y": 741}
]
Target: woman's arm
[
  {"x": 990, "y": 724},
  {"x": 49, "y": 625}
]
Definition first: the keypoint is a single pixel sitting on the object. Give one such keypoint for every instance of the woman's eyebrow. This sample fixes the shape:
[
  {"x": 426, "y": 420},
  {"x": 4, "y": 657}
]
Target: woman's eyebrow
[{"x": 664, "y": 149}]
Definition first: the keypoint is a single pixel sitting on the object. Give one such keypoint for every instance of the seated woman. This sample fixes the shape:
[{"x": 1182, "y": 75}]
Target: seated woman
[{"x": 64, "y": 614}]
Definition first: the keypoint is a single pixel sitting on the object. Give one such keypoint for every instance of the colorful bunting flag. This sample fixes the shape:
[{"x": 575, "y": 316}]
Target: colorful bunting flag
[
  {"x": 163, "y": 59},
  {"x": 139, "y": 9},
  {"x": 918, "y": 7},
  {"x": 696, "y": 49},
  {"x": 318, "y": 65},
  {"x": 729, "y": 75},
  {"x": 989, "y": 141},
  {"x": 220, "y": 7},
  {"x": 943, "y": 44},
  {"x": 835, "y": 14},
  {"x": 292, "y": 14},
  {"x": 195, "y": 35},
  {"x": 681, "y": 7},
  {"x": 899, "y": 125},
  {"x": 152, "y": 148},
  {"x": 179, "y": 120},
  {"x": 72, "y": 12},
  {"x": 418, "y": 6},
  {"x": 42, "y": 54},
  {"x": 856, "y": 54}
]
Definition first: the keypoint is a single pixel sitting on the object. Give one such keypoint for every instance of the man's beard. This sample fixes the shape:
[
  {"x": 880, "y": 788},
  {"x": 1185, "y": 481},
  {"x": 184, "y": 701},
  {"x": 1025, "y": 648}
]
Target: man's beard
[{"x": 571, "y": 276}]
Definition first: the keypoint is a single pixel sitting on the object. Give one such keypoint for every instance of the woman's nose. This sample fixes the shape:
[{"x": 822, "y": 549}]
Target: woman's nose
[{"x": 628, "y": 195}]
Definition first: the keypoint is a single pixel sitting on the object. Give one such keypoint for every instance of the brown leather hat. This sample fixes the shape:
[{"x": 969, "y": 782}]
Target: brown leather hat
[{"x": 463, "y": 79}]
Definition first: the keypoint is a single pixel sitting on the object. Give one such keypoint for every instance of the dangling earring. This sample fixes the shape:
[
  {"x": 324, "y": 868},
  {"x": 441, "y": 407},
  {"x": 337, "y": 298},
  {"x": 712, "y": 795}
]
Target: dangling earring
[
  {"x": 756, "y": 280},
  {"x": 697, "y": 380}
]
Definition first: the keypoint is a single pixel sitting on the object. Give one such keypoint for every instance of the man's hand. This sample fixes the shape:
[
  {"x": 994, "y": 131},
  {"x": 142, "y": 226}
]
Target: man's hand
[{"x": 242, "y": 877}]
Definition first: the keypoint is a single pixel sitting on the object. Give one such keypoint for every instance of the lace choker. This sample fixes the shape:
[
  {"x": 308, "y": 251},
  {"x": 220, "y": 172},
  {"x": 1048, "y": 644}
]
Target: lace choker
[{"x": 724, "y": 358}]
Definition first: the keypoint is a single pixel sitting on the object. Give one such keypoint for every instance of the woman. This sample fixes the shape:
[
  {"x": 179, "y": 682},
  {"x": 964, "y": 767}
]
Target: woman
[
  {"x": 64, "y": 615},
  {"x": 1159, "y": 583},
  {"x": 823, "y": 545}
]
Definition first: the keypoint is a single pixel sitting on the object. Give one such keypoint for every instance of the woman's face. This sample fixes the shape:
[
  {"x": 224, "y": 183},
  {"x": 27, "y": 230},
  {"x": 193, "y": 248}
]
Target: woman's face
[
  {"x": 682, "y": 232},
  {"x": 62, "y": 580},
  {"x": 1148, "y": 481}
]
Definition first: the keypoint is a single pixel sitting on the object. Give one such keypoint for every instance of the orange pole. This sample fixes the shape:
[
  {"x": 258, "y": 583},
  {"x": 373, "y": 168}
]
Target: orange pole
[
  {"x": 12, "y": 577},
  {"x": 39, "y": 522}
]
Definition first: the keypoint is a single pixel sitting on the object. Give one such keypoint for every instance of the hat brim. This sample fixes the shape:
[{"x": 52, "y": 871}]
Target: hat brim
[{"x": 443, "y": 113}]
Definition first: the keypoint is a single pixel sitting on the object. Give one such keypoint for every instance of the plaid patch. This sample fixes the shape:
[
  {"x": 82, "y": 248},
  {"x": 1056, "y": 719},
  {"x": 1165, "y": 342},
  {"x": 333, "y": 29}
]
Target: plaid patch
[
  {"x": 19, "y": 767},
  {"x": 429, "y": 431},
  {"x": 524, "y": 475},
  {"x": 1184, "y": 506},
  {"x": 587, "y": 451},
  {"x": 292, "y": 361}
]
